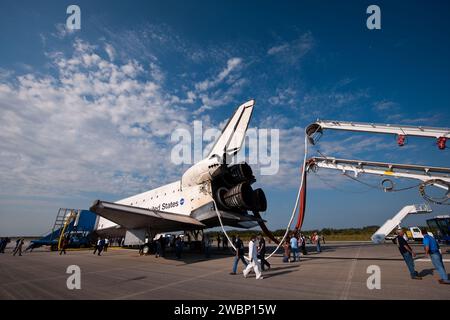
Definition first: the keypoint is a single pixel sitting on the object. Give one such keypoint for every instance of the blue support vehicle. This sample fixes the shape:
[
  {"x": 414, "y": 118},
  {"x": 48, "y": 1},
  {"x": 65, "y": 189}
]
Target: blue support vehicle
[
  {"x": 76, "y": 225},
  {"x": 440, "y": 227}
]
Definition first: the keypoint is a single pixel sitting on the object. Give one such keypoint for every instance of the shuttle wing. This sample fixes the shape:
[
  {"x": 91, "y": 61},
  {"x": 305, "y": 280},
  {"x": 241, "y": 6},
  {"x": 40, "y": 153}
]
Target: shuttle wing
[
  {"x": 232, "y": 137},
  {"x": 134, "y": 217}
]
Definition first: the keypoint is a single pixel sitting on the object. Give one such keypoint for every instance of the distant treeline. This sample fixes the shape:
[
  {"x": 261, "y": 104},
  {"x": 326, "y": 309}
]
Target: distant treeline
[{"x": 359, "y": 232}]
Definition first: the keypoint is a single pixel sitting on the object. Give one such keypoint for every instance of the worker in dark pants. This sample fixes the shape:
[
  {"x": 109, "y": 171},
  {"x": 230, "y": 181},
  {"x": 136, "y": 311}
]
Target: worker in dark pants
[
  {"x": 97, "y": 245},
  {"x": 178, "y": 247},
  {"x": 294, "y": 248},
  {"x": 19, "y": 246},
  {"x": 4, "y": 243},
  {"x": 239, "y": 254},
  {"x": 225, "y": 243},
  {"x": 100, "y": 246},
  {"x": 105, "y": 248},
  {"x": 17, "y": 243},
  {"x": 163, "y": 240},
  {"x": 262, "y": 252},
  {"x": 431, "y": 247},
  {"x": 158, "y": 247},
  {"x": 64, "y": 245},
  {"x": 407, "y": 253},
  {"x": 303, "y": 246},
  {"x": 206, "y": 245},
  {"x": 218, "y": 241}
]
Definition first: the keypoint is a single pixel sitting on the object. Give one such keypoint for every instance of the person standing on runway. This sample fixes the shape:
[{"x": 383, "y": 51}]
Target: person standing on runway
[
  {"x": 239, "y": 253},
  {"x": 262, "y": 252},
  {"x": 253, "y": 257}
]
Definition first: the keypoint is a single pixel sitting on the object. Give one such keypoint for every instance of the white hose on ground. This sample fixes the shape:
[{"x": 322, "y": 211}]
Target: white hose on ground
[
  {"x": 293, "y": 211},
  {"x": 223, "y": 229}
]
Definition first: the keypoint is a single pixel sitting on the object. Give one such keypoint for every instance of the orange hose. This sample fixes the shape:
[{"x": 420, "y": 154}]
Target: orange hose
[{"x": 302, "y": 207}]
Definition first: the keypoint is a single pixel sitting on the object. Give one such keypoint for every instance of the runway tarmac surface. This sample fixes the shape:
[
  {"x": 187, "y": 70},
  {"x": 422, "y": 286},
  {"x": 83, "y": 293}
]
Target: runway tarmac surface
[{"x": 339, "y": 272}]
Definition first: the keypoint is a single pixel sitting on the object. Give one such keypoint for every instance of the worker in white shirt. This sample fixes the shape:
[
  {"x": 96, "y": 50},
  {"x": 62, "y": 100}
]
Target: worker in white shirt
[
  {"x": 253, "y": 259},
  {"x": 97, "y": 245},
  {"x": 105, "y": 248}
]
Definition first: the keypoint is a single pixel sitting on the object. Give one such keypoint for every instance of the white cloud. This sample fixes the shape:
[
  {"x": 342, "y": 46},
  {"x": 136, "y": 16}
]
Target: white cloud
[
  {"x": 293, "y": 51},
  {"x": 316, "y": 103},
  {"x": 232, "y": 64},
  {"x": 5, "y": 74},
  {"x": 62, "y": 31},
  {"x": 110, "y": 51},
  {"x": 284, "y": 97},
  {"x": 95, "y": 126},
  {"x": 291, "y": 150},
  {"x": 352, "y": 147},
  {"x": 384, "y": 105},
  {"x": 278, "y": 49},
  {"x": 212, "y": 95}
]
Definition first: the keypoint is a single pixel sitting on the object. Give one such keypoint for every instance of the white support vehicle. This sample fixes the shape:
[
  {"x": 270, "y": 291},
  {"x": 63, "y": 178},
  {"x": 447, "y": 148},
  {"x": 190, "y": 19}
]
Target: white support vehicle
[{"x": 414, "y": 233}]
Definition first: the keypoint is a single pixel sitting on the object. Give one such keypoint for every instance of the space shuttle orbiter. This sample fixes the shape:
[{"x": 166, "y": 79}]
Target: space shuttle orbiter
[{"x": 189, "y": 204}]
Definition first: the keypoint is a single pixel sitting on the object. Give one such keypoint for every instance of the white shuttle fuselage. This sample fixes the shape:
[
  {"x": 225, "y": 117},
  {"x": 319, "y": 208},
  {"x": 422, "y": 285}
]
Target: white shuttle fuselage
[{"x": 210, "y": 187}]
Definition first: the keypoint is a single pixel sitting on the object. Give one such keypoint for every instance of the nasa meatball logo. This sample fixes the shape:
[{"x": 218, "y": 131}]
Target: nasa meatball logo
[{"x": 181, "y": 201}]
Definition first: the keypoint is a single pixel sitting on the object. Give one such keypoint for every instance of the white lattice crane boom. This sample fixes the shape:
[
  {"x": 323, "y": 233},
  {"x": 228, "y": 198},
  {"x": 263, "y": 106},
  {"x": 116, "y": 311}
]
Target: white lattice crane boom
[
  {"x": 402, "y": 131},
  {"x": 422, "y": 173}
]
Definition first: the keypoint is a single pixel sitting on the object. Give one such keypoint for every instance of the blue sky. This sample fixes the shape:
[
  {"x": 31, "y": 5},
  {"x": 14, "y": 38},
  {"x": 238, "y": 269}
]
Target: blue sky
[{"x": 88, "y": 114}]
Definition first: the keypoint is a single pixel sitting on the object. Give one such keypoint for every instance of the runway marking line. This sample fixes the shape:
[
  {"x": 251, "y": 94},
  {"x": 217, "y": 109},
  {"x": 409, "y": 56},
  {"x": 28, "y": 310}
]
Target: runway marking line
[
  {"x": 429, "y": 260},
  {"x": 348, "y": 282}
]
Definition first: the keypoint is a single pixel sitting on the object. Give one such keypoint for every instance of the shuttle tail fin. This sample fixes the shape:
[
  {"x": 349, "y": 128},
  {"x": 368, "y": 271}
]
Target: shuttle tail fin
[{"x": 230, "y": 141}]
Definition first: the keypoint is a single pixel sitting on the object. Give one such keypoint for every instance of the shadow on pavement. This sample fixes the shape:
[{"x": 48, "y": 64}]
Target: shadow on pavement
[{"x": 426, "y": 272}]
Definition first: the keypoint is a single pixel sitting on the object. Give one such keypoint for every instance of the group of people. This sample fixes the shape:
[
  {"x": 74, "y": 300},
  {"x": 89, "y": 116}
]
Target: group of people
[
  {"x": 222, "y": 240},
  {"x": 257, "y": 251},
  {"x": 431, "y": 248},
  {"x": 101, "y": 246},
  {"x": 18, "y": 247},
  {"x": 160, "y": 244},
  {"x": 256, "y": 255},
  {"x": 176, "y": 242},
  {"x": 296, "y": 244}
]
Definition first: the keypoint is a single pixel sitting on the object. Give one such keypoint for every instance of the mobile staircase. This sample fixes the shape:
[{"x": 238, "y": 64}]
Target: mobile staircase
[{"x": 74, "y": 224}]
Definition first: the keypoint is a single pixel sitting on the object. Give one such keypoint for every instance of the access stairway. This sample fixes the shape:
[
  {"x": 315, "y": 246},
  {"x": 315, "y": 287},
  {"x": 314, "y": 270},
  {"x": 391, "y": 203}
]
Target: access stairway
[{"x": 75, "y": 224}]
